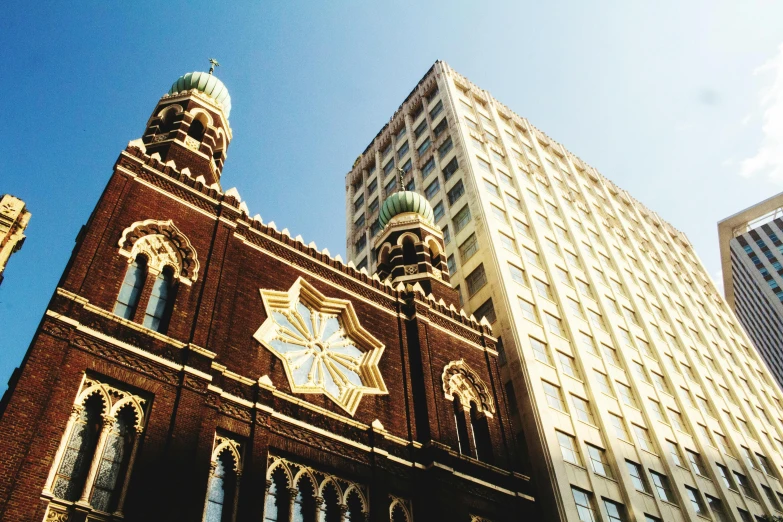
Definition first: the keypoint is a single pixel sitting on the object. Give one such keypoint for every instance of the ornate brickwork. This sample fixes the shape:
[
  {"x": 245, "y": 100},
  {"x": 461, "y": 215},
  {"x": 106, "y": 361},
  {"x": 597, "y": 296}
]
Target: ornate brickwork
[{"x": 281, "y": 378}]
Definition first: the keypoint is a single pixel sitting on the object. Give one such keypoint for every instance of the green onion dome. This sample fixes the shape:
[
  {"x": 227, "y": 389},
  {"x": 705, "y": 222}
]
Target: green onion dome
[
  {"x": 206, "y": 83},
  {"x": 406, "y": 201}
]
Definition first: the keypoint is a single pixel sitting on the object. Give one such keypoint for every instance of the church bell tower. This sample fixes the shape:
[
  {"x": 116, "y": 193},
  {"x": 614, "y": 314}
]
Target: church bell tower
[{"x": 190, "y": 125}]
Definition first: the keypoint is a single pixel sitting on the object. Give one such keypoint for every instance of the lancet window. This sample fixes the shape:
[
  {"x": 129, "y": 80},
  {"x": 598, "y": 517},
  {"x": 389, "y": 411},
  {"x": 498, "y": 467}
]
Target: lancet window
[
  {"x": 399, "y": 510},
  {"x": 94, "y": 461},
  {"x": 224, "y": 477},
  {"x": 301, "y": 494}
]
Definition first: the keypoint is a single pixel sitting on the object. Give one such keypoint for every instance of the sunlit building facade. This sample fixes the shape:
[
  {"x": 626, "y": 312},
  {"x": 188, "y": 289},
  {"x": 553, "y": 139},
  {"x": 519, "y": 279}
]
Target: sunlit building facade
[
  {"x": 637, "y": 392},
  {"x": 751, "y": 256},
  {"x": 14, "y": 218}
]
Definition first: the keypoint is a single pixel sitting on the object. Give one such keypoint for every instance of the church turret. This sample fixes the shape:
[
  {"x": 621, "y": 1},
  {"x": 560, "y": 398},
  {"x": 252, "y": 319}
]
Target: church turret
[
  {"x": 190, "y": 125},
  {"x": 410, "y": 248}
]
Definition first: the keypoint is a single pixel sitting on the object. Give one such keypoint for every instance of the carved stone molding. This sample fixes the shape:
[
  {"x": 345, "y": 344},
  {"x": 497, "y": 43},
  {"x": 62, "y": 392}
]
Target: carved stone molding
[
  {"x": 460, "y": 379},
  {"x": 164, "y": 245}
]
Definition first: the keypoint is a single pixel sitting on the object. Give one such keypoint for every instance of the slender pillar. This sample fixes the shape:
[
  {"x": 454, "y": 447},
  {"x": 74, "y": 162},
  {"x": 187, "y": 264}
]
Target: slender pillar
[
  {"x": 131, "y": 461},
  {"x": 292, "y": 492},
  {"x": 108, "y": 423},
  {"x": 236, "y": 495},
  {"x": 320, "y": 512}
]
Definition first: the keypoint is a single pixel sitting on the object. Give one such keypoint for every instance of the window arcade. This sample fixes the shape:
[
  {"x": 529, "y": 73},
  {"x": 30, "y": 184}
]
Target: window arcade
[
  {"x": 302, "y": 494},
  {"x": 95, "y": 459}
]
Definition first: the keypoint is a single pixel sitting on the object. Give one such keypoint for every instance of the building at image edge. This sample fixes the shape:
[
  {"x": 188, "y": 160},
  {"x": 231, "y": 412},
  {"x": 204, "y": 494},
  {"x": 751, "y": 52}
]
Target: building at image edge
[
  {"x": 196, "y": 363},
  {"x": 635, "y": 389},
  {"x": 751, "y": 254}
]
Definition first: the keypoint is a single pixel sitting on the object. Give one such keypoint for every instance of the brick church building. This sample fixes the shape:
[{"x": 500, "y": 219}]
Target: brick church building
[{"x": 195, "y": 363}]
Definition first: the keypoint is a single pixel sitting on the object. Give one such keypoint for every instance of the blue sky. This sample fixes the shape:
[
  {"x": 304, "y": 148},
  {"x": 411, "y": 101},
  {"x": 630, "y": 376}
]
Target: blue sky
[{"x": 671, "y": 100}]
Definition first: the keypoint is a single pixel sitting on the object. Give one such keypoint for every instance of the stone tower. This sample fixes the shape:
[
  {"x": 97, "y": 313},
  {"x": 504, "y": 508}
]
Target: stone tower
[{"x": 14, "y": 217}]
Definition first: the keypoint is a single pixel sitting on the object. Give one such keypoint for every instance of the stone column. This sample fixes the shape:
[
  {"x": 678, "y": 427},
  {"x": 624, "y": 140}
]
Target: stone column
[
  {"x": 108, "y": 422},
  {"x": 236, "y": 495},
  {"x": 320, "y": 516},
  {"x": 292, "y": 492},
  {"x": 131, "y": 462}
]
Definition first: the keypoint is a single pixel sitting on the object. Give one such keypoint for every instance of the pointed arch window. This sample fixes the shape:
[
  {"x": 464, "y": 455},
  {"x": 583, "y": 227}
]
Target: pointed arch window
[
  {"x": 223, "y": 484},
  {"x": 276, "y": 505},
  {"x": 95, "y": 459},
  {"x": 399, "y": 510},
  {"x": 160, "y": 258},
  {"x": 473, "y": 405},
  {"x": 79, "y": 451},
  {"x": 132, "y": 285},
  {"x": 313, "y": 497},
  {"x": 304, "y": 501},
  {"x": 156, "y": 315}
]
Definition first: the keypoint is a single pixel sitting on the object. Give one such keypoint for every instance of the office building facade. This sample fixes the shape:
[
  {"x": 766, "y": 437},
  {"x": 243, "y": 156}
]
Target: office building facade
[
  {"x": 751, "y": 256},
  {"x": 637, "y": 392}
]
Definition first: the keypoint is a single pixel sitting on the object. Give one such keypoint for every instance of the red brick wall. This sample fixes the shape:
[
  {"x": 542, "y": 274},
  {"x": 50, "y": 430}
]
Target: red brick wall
[{"x": 220, "y": 312}]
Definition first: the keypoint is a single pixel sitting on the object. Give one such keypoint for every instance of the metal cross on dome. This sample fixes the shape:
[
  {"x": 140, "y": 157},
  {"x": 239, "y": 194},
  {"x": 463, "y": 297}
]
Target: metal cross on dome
[{"x": 213, "y": 63}]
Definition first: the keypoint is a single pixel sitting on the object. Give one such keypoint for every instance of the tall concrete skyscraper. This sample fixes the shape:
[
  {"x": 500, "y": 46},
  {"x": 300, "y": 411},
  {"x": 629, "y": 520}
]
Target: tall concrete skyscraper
[
  {"x": 636, "y": 391},
  {"x": 751, "y": 254}
]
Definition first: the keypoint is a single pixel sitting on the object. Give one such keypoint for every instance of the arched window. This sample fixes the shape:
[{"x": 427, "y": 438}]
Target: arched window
[
  {"x": 463, "y": 444},
  {"x": 156, "y": 315},
  {"x": 398, "y": 513},
  {"x": 75, "y": 462},
  {"x": 480, "y": 430},
  {"x": 409, "y": 252},
  {"x": 113, "y": 461},
  {"x": 276, "y": 505},
  {"x": 94, "y": 462},
  {"x": 471, "y": 396},
  {"x": 330, "y": 509},
  {"x": 131, "y": 288},
  {"x": 356, "y": 509},
  {"x": 304, "y": 502},
  {"x": 167, "y": 121},
  {"x": 220, "y": 491},
  {"x": 196, "y": 130}
]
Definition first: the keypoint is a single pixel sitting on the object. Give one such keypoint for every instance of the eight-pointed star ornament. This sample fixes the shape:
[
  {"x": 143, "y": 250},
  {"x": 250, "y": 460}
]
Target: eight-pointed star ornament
[{"x": 321, "y": 344}]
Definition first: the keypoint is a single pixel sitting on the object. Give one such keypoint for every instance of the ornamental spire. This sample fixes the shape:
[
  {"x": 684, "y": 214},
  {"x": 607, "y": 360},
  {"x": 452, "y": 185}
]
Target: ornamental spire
[{"x": 213, "y": 63}]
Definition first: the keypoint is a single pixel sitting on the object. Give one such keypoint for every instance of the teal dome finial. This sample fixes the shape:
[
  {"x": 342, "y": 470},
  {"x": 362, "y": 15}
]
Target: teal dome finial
[
  {"x": 207, "y": 83},
  {"x": 406, "y": 201}
]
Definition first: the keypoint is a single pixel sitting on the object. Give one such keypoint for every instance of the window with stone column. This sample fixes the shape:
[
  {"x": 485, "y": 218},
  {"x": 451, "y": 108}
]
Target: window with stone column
[
  {"x": 93, "y": 464},
  {"x": 160, "y": 259},
  {"x": 473, "y": 407},
  {"x": 298, "y": 493}
]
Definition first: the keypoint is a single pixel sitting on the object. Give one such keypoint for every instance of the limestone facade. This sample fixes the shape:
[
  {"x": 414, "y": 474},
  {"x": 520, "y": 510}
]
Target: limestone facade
[
  {"x": 14, "y": 218},
  {"x": 636, "y": 390}
]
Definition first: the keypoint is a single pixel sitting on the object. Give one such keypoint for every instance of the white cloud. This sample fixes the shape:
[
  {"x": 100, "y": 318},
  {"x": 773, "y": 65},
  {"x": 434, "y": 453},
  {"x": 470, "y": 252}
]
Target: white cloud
[{"x": 768, "y": 159}]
